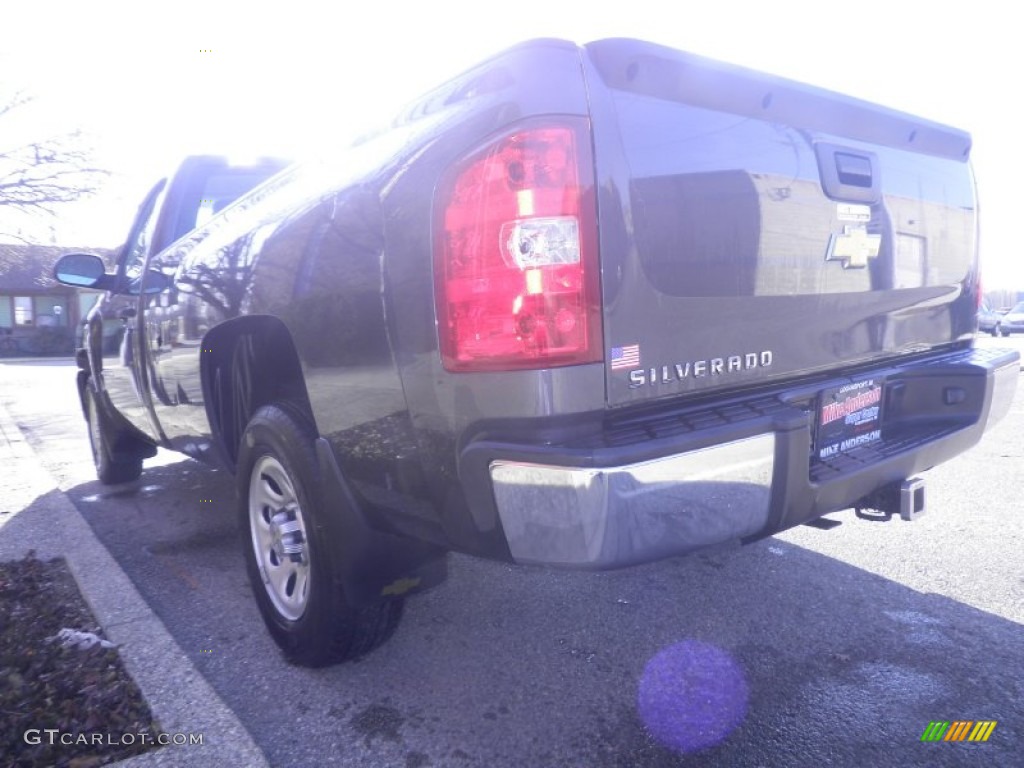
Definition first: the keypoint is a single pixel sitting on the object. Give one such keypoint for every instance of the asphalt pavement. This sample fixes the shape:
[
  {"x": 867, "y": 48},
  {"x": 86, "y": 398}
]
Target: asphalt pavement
[{"x": 815, "y": 647}]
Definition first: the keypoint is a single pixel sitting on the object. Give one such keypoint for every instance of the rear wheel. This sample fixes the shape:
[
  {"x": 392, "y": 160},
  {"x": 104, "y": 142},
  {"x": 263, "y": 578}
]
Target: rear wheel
[
  {"x": 112, "y": 466},
  {"x": 293, "y": 547}
]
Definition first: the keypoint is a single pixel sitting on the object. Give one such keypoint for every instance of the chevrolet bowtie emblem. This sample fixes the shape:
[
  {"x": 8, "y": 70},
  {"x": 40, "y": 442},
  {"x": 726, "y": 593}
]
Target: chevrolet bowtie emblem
[{"x": 853, "y": 247}]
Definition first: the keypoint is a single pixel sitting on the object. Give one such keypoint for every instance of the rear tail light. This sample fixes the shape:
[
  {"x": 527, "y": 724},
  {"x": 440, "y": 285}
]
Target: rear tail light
[{"x": 516, "y": 279}]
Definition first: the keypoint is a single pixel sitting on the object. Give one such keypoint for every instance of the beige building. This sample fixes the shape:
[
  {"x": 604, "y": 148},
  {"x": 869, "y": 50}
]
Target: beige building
[{"x": 38, "y": 315}]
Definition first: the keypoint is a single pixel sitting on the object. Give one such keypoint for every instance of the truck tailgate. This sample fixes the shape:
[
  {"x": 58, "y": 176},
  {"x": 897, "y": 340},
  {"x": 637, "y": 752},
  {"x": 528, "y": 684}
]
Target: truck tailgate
[{"x": 754, "y": 229}]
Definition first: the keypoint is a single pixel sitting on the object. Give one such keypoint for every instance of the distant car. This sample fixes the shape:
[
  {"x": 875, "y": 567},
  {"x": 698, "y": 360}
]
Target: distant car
[
  {"x": 1012, "y": 321},
  {"x": 989, "y": 320}
]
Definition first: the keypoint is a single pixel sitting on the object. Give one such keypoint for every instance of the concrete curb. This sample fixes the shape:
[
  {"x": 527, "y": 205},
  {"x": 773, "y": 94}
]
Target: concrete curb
[
  {"x": 36, "y": 514},
  {"x": 42, "y": 359}
]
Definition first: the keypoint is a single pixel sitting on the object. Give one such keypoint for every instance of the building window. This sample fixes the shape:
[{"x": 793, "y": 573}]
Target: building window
[
  {"x": 6, "y": 319},
  {"x": 51, "y": 311},
  {"x": 23, "y": 310}
]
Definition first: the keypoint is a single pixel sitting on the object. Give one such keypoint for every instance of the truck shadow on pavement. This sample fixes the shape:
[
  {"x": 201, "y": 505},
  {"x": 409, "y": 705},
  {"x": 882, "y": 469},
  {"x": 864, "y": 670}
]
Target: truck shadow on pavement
[{"x": 782, "y": 655}]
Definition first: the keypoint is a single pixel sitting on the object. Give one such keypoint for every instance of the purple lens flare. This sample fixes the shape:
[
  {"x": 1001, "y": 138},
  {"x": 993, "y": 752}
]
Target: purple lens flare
[{"x": 692, "y": 696}]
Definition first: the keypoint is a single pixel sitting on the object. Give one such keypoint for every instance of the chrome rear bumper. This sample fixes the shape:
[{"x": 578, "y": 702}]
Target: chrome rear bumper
[
  {"x": 672, "y": 493},
  {"x": 612, "y": 516}
]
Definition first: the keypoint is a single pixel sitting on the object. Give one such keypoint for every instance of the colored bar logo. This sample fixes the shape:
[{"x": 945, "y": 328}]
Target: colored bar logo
[{"x": 959, "y": 730}]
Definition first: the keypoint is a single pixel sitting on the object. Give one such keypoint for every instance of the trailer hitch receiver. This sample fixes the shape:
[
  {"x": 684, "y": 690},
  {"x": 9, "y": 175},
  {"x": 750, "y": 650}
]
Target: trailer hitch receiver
[{"x": 912, "y": 498}]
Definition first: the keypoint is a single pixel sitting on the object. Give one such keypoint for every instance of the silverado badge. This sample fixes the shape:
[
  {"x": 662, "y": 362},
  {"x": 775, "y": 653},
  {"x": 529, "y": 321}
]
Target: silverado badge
[{"x": 686, "y": 369}]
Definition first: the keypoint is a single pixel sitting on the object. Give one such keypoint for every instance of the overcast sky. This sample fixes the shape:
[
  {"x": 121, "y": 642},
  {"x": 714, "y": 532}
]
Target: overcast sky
[{"x": 153, "y": 81}]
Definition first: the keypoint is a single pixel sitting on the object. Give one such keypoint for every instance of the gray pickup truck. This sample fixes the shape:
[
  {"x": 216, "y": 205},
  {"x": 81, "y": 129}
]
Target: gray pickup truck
[{"x": 582, "y": 306}]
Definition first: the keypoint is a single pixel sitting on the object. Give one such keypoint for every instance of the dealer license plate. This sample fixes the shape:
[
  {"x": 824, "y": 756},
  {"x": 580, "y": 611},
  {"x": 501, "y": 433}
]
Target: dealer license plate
[{"x": 849, "y": 416}]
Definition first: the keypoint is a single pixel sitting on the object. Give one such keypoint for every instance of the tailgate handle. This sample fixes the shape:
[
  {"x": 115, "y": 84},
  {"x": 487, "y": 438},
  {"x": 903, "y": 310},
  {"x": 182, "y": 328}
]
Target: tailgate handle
[
  {"x": 854, "y": 170},
  {"x": 847, "y": 174}
]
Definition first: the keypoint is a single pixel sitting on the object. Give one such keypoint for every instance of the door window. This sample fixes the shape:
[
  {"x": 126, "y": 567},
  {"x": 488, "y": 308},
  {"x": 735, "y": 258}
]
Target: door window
[{"x": 133, "y": 258}]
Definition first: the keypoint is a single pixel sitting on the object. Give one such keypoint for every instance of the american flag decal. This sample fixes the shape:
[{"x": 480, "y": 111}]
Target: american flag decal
[{"x": 625, "y": 357}]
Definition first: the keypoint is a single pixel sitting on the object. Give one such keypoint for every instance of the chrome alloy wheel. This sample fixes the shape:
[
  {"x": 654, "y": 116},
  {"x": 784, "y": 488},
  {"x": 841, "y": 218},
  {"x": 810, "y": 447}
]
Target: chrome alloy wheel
[{"x": 279, "y": 537}]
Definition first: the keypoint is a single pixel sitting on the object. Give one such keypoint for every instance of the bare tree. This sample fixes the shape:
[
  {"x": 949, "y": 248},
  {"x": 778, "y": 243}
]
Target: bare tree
[{"x": 38, "y": 176}]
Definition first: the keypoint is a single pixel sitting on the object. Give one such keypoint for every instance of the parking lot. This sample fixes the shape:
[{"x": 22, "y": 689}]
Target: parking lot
[{"x": 829, "y": 647}]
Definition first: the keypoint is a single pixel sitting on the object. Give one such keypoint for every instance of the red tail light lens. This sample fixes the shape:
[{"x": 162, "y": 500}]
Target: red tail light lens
[{"x": 516, "y": 281}]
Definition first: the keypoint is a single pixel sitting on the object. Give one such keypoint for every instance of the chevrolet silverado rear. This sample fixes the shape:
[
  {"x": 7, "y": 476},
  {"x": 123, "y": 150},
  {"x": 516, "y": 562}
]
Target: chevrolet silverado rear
[
  {"x": 580, "y": 306},
  {"x": 680, "y": 303}
]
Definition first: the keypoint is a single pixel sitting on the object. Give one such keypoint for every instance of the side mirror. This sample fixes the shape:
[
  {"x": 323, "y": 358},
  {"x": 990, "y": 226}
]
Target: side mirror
[
  {"x": 80, "y": 270},
  {"x": 156, "y": 282}
]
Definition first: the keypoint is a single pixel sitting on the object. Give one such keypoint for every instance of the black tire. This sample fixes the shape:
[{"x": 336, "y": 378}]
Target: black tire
[
  {"x": 293, "y": 547},
  {"x": 112, "y": 466}
]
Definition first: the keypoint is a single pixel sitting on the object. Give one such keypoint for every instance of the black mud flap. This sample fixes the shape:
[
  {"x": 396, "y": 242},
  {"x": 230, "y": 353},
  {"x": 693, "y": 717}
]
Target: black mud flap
[{"x": 378, "y": 565}]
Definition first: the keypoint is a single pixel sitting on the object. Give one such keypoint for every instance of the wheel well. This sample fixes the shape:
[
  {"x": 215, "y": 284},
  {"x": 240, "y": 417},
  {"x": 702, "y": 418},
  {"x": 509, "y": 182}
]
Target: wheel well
[{"x": 248, "y": 363}]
